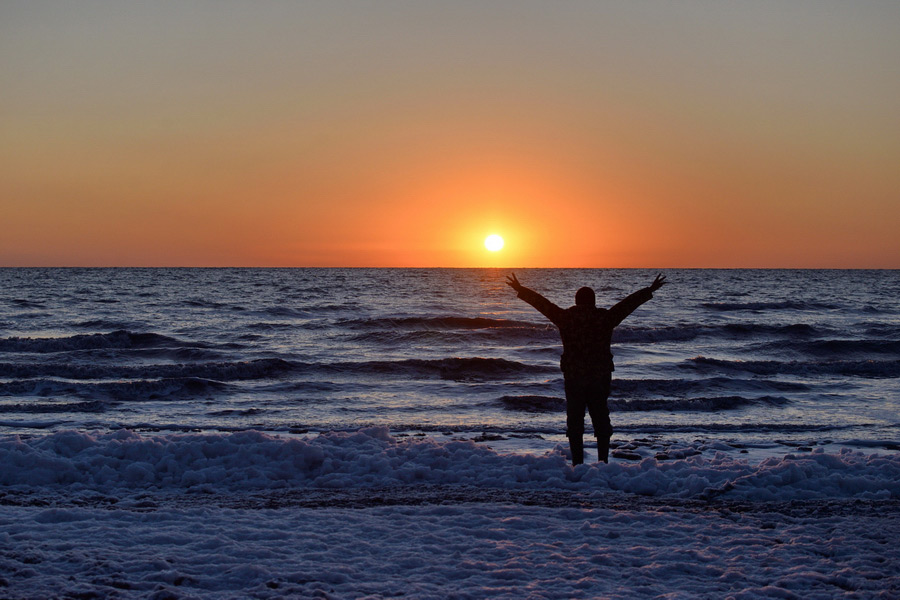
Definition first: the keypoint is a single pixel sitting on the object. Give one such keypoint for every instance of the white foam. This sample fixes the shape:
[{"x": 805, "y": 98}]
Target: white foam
[{"x": 251, "y": 460}]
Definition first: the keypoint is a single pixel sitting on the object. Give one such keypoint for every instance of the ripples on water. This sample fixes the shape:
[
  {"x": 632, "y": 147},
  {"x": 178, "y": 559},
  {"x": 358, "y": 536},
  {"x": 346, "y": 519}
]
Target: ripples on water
[{"x": 742, "y": 355}]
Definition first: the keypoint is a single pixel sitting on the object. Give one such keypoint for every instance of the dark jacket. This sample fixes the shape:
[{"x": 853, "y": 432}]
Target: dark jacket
[{"x": 586, "y": 331}]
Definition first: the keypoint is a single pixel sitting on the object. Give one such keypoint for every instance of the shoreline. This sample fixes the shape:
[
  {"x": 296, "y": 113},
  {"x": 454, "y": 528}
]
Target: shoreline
[
  {"x": 432, "y": 495},
  {"x": 280, "y": 545}
]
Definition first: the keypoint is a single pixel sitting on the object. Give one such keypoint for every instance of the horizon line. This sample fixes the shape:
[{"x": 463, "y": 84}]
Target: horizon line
[{"x": 447, "y": 268}]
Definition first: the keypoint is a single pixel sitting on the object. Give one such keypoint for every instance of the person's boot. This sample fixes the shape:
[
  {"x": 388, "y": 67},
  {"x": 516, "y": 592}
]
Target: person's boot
[
  {"x": 603, "y": 450},
  {"x": 576, "y": 444}
]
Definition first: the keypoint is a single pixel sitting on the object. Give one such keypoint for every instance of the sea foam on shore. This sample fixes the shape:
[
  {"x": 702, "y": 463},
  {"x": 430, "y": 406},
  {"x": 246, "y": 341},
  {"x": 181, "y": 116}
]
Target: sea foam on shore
[{"x": 371, "y": 457}]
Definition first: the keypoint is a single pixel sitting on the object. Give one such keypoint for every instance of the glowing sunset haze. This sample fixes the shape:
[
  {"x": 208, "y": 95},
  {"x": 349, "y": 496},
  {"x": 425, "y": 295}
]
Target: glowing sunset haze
[{"x": 601, "y": 134}]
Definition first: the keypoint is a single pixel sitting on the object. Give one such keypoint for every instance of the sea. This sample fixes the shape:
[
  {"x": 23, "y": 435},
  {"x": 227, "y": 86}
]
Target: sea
[{"x": 760, "y": 360}]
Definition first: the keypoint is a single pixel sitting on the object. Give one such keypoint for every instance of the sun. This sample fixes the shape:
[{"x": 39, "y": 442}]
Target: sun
[{"x": 493, "y": 242}]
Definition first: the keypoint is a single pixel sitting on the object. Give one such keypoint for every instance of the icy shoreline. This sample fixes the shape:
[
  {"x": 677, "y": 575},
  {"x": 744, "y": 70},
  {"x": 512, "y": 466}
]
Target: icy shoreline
[
  {"x": 371, "y": 515},
  {"x": 250, "y": 460},
  {"x": 275, "y": 547}
]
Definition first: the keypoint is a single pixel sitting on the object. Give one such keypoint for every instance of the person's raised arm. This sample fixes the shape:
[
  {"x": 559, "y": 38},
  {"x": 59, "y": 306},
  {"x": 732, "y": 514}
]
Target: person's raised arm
[
  {"x": 627, "y": 306},
  {"x": 544, "y": 306}
]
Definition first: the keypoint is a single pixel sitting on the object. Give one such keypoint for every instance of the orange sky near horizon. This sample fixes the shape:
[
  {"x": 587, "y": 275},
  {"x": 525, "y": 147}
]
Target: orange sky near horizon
[{"x": 388, "y": 134}]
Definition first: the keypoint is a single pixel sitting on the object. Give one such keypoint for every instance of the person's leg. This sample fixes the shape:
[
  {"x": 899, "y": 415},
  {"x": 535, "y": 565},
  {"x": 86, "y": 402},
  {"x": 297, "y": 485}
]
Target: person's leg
[
  {"x": 576, "y": 447},
  {"x": 575, "y": 402},
  {"x": 596, "y": 399}
]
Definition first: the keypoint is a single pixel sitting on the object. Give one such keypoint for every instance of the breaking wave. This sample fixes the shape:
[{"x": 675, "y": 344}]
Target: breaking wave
[
  {"x": 534, "y": 403},
  {"x": 89, "y": 341},
  {"x": 251, "y": 460},
  {"x": 854, "y": 368},
  {"x": 682, "y": 387},
  {"x": 96, "y": 324},
  {"x": 222, "y": 371},
  {"x": 54, "y": 407},
  {"x": 159, "y": 389},
  {"x": 764, "y": 306},
  {"x": 457, "y": 369},
  {"x": 448, "y": 322},
  {"x": 713, "y": 404},
  {"x": 838, "y": 348},
  {"x": 696, "y": 404}
]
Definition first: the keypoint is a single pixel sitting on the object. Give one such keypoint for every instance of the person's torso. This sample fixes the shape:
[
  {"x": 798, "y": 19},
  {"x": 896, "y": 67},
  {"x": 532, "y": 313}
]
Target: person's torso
[{"x": 586, "y": 336}]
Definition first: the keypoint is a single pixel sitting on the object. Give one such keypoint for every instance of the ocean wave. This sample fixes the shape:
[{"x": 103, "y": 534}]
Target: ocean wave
[
  {"x": 797, "y": 330},
  {"x": 91, "y": 406},
  {"x": 139, "y": 390},
  {"x": 684, "y": 387},
  {"x": 263, "y": 368},
  {"x": 116, "y": 339},
  {"x": 263, "y": 326},
  {"x": 284, "y": 311},
  {"x": 103, "y": 324},
  {"x": 24, "y": 303},
  {"x": 689, "y": 332},
  {"x": 765, "y": 306},
  {"x": 836, "y": 347},
  {"x": 713, "y": 404},
  {"x": 406, "y": 338},
  {"x": 251, "y": 460},
  {"x": 458, "y": 337},
  {"x": 201, "y": 303},
  {"x": 855, "y": 368},
  {"x": 295, "y": 387},
  {"x": 236, "y": 412},
  {"x": 449, "y": 322},
  {"x": 735, "y": 428},
  {"x": 675, "y": 333},
  {"x": 878, "y": 309},
  {"x": 19, "y": 424},
  {"x": 173, "y": 353},
  {"x": 879, "y": 330},
  {"x": 330, "y": 308},
  {"x": 534, "y": 403},
  {"x": 456, "y": 369}
]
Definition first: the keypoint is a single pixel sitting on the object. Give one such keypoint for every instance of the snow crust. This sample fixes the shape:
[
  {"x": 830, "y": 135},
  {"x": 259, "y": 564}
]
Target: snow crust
[
  {"x": 369, "y": 515},
  {"x": 484, "y": 550},
  {"x": 251, "y": 460}
]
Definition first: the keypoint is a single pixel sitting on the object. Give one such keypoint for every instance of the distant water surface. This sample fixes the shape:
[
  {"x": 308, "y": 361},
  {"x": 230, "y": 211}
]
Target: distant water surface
[{"x": 744, "y": 357}]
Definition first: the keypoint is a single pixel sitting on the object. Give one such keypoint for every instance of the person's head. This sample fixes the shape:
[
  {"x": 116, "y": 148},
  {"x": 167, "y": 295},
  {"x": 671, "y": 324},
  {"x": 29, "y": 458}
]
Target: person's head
[{"x": 585, "y": 297}]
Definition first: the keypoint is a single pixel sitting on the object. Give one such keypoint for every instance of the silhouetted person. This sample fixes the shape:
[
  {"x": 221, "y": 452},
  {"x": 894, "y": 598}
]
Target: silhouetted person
[{"x": 587, "y": 362}]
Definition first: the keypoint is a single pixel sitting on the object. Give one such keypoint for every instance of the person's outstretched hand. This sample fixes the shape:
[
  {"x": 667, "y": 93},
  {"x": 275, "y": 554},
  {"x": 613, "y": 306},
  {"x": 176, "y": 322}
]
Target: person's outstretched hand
[
  {"x": 658, "y": 282},
  {"x": 513, "y": 282}
]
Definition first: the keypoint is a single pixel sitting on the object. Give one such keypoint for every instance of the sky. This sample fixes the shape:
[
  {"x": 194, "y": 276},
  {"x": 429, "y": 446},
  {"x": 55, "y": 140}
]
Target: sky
[{"x": 356, "y": 133}]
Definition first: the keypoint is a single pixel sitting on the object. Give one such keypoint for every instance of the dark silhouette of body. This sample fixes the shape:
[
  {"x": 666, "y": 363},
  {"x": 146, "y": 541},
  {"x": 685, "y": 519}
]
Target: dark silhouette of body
[{"x": 587, "y": 361}]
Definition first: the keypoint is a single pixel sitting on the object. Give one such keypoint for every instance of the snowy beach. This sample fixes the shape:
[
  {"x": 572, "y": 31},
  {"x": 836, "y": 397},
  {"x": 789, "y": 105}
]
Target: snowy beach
[
  {"x": 369, "y": 515},
  {"x": 268, "y": 433},
  {"x": 480, "y": 550}
]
